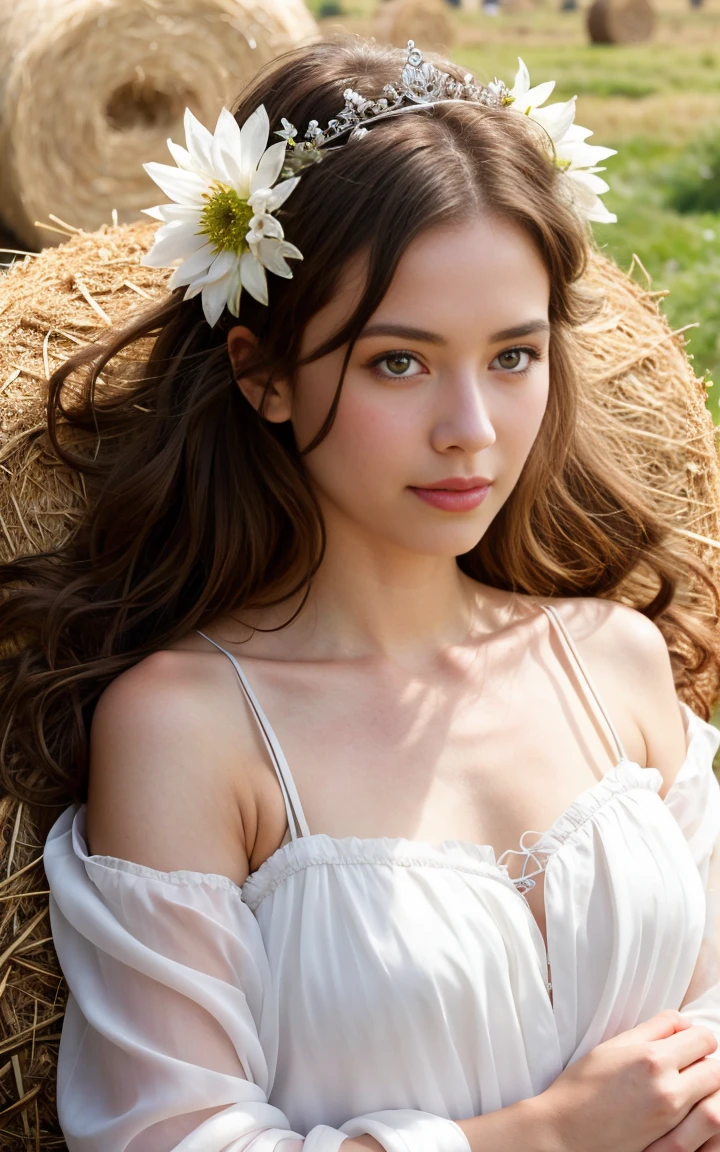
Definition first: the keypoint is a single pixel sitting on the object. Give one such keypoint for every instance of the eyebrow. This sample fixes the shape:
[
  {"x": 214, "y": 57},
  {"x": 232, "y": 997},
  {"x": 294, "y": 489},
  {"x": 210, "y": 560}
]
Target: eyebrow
[{"x": 408, "y": 333}]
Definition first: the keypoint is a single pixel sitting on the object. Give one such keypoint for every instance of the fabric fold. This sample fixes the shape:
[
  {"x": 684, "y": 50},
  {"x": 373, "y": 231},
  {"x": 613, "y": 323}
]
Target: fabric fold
[{"x": 380, "y": 987}]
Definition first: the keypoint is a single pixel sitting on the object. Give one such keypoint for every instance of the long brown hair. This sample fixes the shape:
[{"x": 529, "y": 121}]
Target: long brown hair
[{"x": 197, "y": 505}]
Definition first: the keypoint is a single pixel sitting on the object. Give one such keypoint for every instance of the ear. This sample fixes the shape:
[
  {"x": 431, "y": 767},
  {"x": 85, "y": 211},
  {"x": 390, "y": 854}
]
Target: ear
[{"x": 278, "y": 402}]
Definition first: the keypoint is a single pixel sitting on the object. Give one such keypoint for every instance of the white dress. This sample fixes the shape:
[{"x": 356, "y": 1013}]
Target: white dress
[{"x": 382, "y": 986}]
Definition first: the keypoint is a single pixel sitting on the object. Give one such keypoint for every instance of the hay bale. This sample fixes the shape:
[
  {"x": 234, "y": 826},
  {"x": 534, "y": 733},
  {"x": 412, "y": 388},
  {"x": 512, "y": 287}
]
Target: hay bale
[
  {"x": 518, "y": 7},
  {"x": 91, "y": 89},
  {"x": 427, "y": 22},
  {"x": 620, "y": 21},
  {"x": 633, "y": 367}
]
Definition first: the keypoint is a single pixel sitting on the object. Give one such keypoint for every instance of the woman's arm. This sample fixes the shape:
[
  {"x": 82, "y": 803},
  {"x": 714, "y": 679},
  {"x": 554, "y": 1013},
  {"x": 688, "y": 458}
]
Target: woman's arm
[{"x": 169, "y": 1044}]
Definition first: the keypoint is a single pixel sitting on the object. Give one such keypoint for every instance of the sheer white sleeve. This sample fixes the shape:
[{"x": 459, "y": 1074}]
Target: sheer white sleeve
[
  {"x": 694, "y": 800},
  {"x": 170, "y": 1039}
]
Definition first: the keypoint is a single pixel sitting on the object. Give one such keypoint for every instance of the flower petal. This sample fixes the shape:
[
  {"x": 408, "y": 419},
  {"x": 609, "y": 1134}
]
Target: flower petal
[
  {"x": 235, "y": 291},
  {"x": 534, "y": 96},
  {"x": 263, "y": 226},
  {"x": 589, "y": 180},
  {"x": 199, "y": 142},
  {"x": 270, "y": 166},
  {"x": 290, "y": 250},
  {"x": 182, "y": 157},
  {"x": 556, "y": 118},
  {"x": 253, "y": 277},
  {"x": 601, "y": 215},
  {"x": 522, "y": 80},
  {"x": 270, "y": 254},
  {"x": 174, "y": 242},
  {"x": 214, "y": 299},
  {"x": 575, "y": 132},
  {"x": 583, "y": 155},
  {"x": 222, "y": 264},
  {"x": 195, "y": 265},
  {"x": 183, "y": 187},
  {"x": 253, "y": 140},
  {"x": 587, "y": 202},
  {"x": 226, "y": 149},
  {"x": 279, "y": 194},
  {"x": 170, "y": 212}
]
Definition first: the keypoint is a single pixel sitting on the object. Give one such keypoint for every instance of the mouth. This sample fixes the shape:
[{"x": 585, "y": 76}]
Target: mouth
[
  {"x": 457, "y": 484},
  {"x": 455, "y": 494}
]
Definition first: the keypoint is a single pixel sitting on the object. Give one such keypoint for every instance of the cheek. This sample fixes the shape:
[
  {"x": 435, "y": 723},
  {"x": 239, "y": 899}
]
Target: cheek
[
  {"x": 519, "y": 422},
  {"x": 368, "y": 444}
]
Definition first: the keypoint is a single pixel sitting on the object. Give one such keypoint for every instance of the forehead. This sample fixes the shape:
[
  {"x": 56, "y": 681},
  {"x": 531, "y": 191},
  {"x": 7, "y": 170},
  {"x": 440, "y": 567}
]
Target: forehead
[{"x": 462, "y": 281}]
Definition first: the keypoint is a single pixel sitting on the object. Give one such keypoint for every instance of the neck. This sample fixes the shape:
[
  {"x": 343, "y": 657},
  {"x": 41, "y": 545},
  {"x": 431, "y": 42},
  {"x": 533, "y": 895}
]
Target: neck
[{"x": 370, "y": 598}]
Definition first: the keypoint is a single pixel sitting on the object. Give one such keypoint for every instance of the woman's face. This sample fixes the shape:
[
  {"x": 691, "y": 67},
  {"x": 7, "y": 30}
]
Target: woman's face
[{"x": 448, "y": 383}]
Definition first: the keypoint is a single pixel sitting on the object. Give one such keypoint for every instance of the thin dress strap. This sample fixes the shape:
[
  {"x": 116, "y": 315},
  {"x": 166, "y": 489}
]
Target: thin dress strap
[
  {"x": 293, "y": 807},
  {"x": 592, "y": 696}
]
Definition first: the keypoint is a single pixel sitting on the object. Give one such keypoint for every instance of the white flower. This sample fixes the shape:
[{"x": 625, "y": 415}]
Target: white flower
[
  {"x": 578, "y": 160},
  {"x": 288, "y": 131},
  {"x": 220, "y": 225}
]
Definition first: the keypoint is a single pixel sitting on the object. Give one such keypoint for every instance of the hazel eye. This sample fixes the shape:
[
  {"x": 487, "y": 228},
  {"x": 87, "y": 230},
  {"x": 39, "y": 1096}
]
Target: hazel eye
[
  {"x": 511, "y": 358},
  {"x": 398, "y": 363},
  {"x": 516, "y": 361}
]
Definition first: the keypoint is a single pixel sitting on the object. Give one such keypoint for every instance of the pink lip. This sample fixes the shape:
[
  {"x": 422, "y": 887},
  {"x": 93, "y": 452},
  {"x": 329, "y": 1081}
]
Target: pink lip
[
  {"x": 455, "y": 494},
  {"x": 459, "y": 483}
]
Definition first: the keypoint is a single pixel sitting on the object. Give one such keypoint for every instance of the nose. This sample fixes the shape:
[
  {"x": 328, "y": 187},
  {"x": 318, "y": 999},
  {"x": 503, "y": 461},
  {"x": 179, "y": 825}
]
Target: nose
[{"x": 463, "y": 422}]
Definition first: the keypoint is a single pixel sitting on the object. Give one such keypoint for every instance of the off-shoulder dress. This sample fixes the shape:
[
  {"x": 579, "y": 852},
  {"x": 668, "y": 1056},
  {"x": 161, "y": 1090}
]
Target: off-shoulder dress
[{"x": 378, "y": 985}]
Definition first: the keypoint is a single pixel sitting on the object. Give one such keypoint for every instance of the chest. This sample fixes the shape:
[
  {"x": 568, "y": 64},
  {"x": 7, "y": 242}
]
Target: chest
[
  {"x": 437, "y": 944},
  {"x": 470, "y": 756}
]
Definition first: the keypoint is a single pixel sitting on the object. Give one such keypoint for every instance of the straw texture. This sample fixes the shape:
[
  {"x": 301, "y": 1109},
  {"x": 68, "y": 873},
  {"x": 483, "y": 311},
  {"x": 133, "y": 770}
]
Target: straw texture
[
  {"x": 620, "y": 21},
  {"x": 637, "y": 380},
  {"x": 91, "y": 89},
  {"x": 427, "y": 22}
]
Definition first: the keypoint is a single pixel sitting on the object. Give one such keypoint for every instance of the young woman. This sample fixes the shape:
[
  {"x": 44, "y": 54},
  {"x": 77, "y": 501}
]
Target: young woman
[{"x": 341, "y": 628}]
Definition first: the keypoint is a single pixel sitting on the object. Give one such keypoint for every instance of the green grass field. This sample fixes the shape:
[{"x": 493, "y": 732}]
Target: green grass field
[{"x": 658, "y": 103}]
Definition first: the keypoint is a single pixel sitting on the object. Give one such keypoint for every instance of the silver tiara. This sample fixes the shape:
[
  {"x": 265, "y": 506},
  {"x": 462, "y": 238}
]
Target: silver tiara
[
  {"x": 421, "y": 83},
  {"x": 225, "y": 187}
]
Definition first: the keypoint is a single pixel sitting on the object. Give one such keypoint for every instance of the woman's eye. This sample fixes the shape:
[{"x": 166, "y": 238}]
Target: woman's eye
[
  {"x": 396, "y": 364},
  {"x": 516, "y": 360}
]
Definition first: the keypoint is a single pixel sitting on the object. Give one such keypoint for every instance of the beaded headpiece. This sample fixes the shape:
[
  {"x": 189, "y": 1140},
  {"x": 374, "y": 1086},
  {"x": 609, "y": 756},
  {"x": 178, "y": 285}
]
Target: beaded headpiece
[{"x": 228, "y": 184}]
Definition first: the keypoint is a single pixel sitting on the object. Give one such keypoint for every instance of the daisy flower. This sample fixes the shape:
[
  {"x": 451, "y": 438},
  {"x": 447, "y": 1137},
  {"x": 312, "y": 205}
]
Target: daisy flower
[
  {"x": 578, "y": 160},
  {"x": 221, "y": 224}
]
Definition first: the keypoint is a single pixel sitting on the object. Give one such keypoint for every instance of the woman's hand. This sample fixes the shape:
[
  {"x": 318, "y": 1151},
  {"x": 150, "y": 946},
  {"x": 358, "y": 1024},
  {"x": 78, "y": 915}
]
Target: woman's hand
[
  {"x": 646, "y": 1090},
  {"x": 699, "y": 1129}
]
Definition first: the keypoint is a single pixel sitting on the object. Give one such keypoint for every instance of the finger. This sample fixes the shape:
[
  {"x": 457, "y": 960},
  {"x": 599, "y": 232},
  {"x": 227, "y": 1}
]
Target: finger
[
  {"x": 701, "y": 1126},
  {"x": 684, "y": 1048},
  {"x": 658, "y": 1027}
]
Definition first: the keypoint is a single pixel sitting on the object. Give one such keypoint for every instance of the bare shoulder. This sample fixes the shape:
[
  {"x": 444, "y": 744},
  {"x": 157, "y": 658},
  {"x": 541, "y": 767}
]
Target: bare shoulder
[
  {"x": 620, "y": 645},
  {"x": 608, "y": 624},
  {"x": 167, "y": 745}
]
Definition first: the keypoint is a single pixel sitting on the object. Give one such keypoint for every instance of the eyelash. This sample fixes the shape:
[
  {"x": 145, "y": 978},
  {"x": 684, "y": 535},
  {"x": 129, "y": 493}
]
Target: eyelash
[{"x": 533, "y": 354}]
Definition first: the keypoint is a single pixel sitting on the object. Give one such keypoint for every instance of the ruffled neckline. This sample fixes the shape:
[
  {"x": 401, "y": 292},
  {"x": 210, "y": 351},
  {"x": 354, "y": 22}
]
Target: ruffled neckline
[{"x": 703, "y": 741}]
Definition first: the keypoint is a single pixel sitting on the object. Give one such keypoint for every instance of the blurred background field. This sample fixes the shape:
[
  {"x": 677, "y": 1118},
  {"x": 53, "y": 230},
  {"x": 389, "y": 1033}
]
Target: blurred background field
[{"x": 657, "y": 102}]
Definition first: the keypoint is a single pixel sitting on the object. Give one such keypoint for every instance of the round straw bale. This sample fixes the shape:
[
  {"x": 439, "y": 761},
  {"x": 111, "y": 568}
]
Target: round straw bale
[
  {"x": 91, "y": 89},
  {"x": 620, "y": 21},
  {"x": 518, "y": 7},
  {"x": 634, "y": 371},
  {"x": 427, "y": 22}
]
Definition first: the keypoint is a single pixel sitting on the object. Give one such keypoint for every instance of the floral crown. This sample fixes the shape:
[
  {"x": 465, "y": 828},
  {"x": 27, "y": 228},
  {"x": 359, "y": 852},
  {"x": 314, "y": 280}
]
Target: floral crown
[{"x": 225, "y": 187}]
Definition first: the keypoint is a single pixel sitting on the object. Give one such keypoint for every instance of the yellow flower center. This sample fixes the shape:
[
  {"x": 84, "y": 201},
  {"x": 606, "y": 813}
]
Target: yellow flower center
[{"x": 225, "y": 218}]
